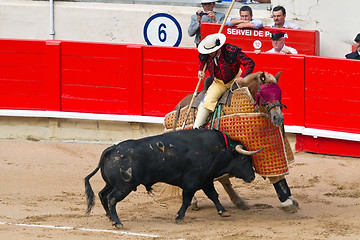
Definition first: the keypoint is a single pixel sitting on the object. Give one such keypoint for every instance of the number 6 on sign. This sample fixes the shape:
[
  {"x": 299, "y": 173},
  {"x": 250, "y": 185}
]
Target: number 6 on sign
[
  {"x": 162, "y": 29},
  {"x": 162, "y": 33}
]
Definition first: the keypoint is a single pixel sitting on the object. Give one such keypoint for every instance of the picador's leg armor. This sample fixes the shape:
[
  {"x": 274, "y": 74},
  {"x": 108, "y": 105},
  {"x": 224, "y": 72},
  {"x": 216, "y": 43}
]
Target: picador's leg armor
[
  {"x": 201, "y": 116},
  {"x": 282, "y": 190},
  {"x": 288, "y": 202}
]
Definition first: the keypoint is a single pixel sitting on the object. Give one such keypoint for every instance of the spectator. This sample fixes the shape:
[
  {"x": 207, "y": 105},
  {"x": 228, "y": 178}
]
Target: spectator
[
  {"x": 279, "y": 15},
  {"x": 223, "y": 62},
  {"x": 204, "y": 15},
  {"x": 245, "y": 20},
  {"x": 356, "y": 54},
  {"x": 278, "y": 43},
  {"x": 252, "y": 1}
]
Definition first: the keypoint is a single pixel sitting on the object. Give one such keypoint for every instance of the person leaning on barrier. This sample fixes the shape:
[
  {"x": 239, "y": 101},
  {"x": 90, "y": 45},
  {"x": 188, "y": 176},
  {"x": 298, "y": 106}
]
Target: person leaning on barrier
[
  {"x": 356, "y": 53},
  {"x": 223, "y": 62},
  {"x": 246, "y": 19},
  {"x": 206, "y": 14},
  {"x": 279, "y": 15}
]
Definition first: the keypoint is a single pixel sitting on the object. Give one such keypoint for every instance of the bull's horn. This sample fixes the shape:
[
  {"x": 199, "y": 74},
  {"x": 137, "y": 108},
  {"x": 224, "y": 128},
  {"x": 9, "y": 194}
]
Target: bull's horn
[
  {"x": 239, "y": 149},
  {"x": 277, "y": 76}
]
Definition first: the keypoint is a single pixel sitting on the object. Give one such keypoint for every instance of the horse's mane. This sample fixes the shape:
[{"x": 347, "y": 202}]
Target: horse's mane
[
  {"x": 260, "y": 77},
  {"x": 253, "y": 80}
]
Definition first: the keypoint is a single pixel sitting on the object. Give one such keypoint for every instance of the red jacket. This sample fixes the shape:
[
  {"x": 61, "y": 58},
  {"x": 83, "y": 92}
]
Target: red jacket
[{"x": 228, "y": 63}]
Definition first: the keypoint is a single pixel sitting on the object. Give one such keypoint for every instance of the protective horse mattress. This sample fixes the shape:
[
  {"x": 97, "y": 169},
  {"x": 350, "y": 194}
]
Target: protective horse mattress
[{"x": 254, "y": 129}]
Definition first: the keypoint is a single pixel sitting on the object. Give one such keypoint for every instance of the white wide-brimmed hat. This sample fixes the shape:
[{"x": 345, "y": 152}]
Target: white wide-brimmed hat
[
  {"x": 211, "y": 43},
  {"x": 208, "y": 1}
]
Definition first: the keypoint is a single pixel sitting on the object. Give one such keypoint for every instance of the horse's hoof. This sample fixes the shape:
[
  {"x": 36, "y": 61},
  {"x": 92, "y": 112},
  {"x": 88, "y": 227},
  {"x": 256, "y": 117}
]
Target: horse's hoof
[
  {"x": 224, "y": 213},
  {"x": 194, "y": 206},
  {"x": 242, "y": 204},
  {"x": 294, "y": 201},
  {"x": 118, "y": 225},
  {"x": 290, "y": 206},
  {"x": 179, "y": 219}
]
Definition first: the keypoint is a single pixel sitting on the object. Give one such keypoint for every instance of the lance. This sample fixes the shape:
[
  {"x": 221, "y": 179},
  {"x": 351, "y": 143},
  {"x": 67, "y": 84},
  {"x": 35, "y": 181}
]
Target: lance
[{"x": 200, "y": 78}]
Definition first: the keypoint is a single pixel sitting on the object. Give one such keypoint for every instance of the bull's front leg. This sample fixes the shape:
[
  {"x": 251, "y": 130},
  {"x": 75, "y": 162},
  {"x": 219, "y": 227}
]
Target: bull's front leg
[
  {"x": 186, "y": 196},
  {"x": 234, "y": 197},
  {"x": 210, "y": 191}
]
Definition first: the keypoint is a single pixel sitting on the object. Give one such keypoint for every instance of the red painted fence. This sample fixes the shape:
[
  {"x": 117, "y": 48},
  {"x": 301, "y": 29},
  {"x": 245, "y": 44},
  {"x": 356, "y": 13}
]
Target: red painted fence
[{"x": 321, "y": 93}]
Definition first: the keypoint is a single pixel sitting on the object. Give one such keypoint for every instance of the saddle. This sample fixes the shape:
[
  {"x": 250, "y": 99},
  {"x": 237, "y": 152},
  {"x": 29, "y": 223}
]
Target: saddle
[
  {"x": 232, "y": 101},
  {"x": 225, "y": 100}
]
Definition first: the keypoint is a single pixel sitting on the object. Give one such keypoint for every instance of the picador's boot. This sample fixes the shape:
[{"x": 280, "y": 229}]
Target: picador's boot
[
  {"x": 201, "y": 116},
  {"x": 288, "y": 202}
]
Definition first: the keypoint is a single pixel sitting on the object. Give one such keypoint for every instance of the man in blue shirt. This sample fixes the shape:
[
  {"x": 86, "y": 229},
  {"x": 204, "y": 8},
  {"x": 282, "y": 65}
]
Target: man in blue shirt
[{"x": 245, "y": 20}]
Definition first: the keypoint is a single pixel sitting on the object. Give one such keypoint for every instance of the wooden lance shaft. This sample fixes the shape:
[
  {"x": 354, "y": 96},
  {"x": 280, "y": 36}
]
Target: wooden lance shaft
[{"x": 200, "y": 78}]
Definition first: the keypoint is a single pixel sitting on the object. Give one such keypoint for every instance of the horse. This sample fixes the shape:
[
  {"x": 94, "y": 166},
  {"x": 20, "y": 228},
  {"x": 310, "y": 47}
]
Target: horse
[{"x": 265, "y": 95}]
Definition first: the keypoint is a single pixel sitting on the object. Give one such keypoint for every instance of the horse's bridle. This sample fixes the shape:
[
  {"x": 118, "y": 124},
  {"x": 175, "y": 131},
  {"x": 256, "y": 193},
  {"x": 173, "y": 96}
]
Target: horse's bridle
[{"x": 266, "y": 105}]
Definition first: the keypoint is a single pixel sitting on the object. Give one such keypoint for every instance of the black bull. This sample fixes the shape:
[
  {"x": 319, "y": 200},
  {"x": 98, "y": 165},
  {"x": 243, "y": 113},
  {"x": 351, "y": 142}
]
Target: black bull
[{"x": 189, "y": 159}]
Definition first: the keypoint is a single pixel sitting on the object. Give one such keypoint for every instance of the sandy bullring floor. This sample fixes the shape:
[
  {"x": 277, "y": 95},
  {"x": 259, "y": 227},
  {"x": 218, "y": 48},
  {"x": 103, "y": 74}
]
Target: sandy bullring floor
[{"x": 42, "y": 197}]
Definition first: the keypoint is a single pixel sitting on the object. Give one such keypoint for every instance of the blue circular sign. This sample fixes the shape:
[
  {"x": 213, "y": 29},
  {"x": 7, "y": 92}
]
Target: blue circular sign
[{"x": 162, "y": 29}]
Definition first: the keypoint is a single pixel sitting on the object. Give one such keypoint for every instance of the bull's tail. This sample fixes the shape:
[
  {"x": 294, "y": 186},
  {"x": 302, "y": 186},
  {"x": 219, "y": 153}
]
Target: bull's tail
[
  {"x": 89, "y": 192},
  {"x": 88, "y": 189}
]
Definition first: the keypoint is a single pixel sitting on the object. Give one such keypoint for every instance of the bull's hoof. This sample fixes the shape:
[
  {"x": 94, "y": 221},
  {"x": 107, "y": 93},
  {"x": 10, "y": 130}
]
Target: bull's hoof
[
  {"x": 290, "y": 206},
  {"x": 224, "y": 213},
  {"x": 242, "y": 204},
  {"x": 118, "y": 225}
]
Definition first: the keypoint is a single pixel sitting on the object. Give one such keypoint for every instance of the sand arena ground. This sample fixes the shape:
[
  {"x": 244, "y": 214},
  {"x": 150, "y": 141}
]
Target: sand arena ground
[{"x": 42, "y": 193}]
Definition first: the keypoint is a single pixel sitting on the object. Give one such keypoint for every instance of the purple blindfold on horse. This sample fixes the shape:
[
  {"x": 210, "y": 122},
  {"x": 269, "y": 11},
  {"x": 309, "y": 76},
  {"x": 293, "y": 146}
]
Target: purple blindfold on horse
[{"x": 269, "y": 92}]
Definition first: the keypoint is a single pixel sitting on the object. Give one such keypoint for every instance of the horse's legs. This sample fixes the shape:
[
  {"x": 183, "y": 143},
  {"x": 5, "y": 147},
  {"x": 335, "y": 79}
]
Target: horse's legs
[
  {"x": 288, "y": 202},
  {"x": 193, "y": 205},
  {"x": 234, "y": 197}
]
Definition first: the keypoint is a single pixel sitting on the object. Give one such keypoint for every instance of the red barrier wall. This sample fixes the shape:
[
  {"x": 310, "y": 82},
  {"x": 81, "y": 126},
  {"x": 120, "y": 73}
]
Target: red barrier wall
[
  {"x": 169, "y": 74},
  {"x": 304, "y": 41},
  {"x": 320, "y": 93},
  {"x": 22, "y": 74},
  {"x": 327, "y": 146},
  {"x": 93, "y": 78},
  {"x": 332, "y": 94}
]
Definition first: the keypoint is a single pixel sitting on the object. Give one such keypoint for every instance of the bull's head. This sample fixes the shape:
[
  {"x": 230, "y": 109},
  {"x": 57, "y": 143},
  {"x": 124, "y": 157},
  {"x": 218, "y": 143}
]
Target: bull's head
[{"x": 241, "y": 164}]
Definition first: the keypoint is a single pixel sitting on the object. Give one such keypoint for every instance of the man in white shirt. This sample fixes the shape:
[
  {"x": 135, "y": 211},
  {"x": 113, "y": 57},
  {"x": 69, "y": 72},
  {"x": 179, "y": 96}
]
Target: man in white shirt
[
  {"x": 278, "y": 43},
  {"x": 245, "y": 20},
  {"x": 279, "y": 15}
]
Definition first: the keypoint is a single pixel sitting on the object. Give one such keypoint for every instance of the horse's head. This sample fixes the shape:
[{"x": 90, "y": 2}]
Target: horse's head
[{"x": 265, "y": 90}]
